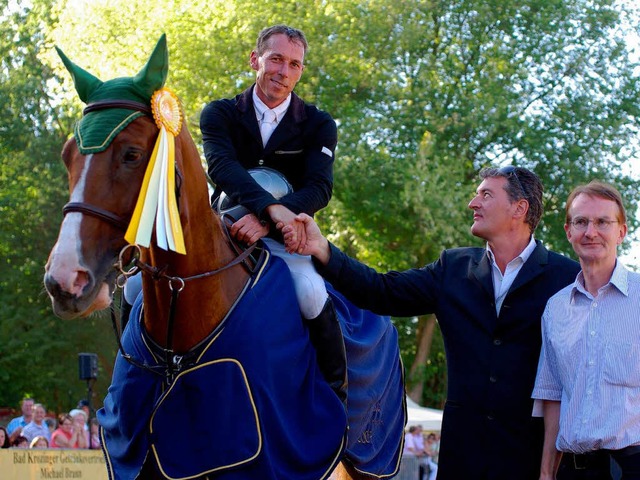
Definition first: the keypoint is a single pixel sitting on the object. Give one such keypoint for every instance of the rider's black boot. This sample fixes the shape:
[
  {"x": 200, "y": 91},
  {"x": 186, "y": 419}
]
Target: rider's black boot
[{"x": 326, "y": 337}]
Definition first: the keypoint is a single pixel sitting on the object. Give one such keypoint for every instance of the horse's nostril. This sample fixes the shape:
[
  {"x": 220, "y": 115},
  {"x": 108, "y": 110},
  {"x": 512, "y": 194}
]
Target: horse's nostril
[
  {"x": 50, "y": 284},
  {"x": 81, "y": 280},
  {"x": 71, "y": 285}
]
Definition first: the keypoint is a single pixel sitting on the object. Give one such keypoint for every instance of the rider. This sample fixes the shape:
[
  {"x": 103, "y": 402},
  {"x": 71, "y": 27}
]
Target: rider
[{"x": 268, "y": 125}]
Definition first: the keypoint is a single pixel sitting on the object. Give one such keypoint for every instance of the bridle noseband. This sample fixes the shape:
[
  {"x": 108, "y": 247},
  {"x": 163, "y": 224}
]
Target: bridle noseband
[{"x": 81, "y": 207}]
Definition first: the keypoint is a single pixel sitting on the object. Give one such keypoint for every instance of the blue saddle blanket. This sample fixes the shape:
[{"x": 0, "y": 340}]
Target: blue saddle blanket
[{"x": 254, "y": 404}]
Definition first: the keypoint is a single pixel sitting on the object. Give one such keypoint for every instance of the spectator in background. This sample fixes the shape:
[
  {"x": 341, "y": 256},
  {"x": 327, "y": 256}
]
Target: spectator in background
[
  {"x": 79, "y": 423},
  {"x": 94, "y": 432},
  {"x": 433, "y": 445},
  {"x": 20, "y": 442},
  {"x": 66, "y": 435},
  {"x": 51, "y": 423},
  {"x": 4, "y": 438},
  {"x": 431, "y": 454},
  {"x": 85, "y": 407},
  {"x": 411, "y": 462},
  {"x": 37, "y": 426},
  {"x": 39, "y": 442},
  {"x": 412, "y": 445},
  {"x": 15, "y": 426}
]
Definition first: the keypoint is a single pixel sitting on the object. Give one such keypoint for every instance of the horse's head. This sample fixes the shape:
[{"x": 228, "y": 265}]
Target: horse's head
[{"x": 106, "y": 162}]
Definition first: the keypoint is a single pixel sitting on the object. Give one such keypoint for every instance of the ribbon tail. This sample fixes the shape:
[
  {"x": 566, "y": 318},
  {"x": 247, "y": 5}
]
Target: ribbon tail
[
  {"x": 172, "y": 207},
  {"x": 150, "y": 207},
  {"x": 134, "y": 223},
  {"x": 162, "y": 239}
]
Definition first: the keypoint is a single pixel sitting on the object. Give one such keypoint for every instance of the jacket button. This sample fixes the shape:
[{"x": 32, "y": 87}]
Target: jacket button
[
  {"x": 497, "y": 342},
  {"x": 261, "y": 162},
  {"x": 493, "y": 379}
]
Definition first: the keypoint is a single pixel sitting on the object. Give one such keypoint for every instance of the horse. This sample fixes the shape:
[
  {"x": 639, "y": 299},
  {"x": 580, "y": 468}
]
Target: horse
[{"x": 185, "y": 365}]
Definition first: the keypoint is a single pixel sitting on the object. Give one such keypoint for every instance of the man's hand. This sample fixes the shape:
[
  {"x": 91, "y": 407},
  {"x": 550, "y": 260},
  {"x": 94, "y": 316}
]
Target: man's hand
[
  {"x": 314, "y": 243},
  {"x": 248, "y": 229},
  {"x": 283, "y": 217}
]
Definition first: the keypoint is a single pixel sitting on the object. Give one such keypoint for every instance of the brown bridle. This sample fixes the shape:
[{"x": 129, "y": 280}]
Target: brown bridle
[
  {"x": 86, "y": 208},
  {"x": 81, "y": 207}
]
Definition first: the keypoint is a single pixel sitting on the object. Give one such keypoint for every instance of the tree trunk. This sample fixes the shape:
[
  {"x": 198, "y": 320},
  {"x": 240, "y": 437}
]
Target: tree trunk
[{"x": 424, "y": 338}]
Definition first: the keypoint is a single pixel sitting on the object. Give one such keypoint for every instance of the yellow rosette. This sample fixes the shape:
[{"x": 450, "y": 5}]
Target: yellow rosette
[
  {"x": 157, "y": 204},
  {"x": 166, "y": 111}
]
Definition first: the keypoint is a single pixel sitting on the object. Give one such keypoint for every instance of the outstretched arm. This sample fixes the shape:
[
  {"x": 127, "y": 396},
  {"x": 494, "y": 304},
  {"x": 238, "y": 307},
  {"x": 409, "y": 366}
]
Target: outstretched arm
[
  {"x": 312, "y": 241},
  {"x": 404, "y": 294}
]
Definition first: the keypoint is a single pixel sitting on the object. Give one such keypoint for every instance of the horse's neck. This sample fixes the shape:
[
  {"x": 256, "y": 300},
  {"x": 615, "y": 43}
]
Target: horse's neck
[{"x": 203, "y": 302}]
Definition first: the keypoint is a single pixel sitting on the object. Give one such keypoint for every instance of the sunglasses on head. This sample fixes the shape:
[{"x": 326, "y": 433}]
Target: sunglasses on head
[{"x": 510, "y": 171}]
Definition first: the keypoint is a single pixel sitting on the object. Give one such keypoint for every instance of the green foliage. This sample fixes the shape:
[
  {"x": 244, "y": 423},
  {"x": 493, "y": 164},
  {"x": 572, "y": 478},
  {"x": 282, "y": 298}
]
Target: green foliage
[
  {"x": 425, "y": 94},
  {"x": 38, "y": 351}
]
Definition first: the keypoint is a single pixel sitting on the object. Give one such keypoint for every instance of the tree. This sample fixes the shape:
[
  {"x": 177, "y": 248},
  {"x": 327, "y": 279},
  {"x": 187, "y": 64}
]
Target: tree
[{"x": 38, "y": 352}]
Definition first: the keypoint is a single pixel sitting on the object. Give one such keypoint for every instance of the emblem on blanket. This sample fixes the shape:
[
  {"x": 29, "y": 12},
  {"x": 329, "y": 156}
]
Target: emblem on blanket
[{"x": 252, "y": 402}]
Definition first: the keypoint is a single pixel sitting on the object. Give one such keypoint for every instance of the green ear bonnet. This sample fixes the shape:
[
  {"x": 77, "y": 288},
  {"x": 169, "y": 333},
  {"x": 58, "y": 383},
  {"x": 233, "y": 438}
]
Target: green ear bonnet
[{"x": 124, "y": 99}]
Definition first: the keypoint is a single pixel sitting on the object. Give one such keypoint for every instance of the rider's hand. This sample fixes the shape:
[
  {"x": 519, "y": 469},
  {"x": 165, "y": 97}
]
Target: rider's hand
[{"x": 248, "y": 229}]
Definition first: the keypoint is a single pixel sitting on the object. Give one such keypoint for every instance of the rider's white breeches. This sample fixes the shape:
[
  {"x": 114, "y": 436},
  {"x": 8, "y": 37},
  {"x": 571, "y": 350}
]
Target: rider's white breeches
[{"x": 308, "y": 284}]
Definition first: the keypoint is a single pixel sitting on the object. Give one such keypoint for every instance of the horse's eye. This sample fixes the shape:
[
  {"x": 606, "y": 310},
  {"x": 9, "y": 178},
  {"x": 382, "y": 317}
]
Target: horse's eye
[{"x": 132, "y": 156}]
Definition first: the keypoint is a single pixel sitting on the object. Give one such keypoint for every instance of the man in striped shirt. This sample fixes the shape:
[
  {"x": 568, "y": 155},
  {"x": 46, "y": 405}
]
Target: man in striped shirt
[{"x": 589, "y": 372}]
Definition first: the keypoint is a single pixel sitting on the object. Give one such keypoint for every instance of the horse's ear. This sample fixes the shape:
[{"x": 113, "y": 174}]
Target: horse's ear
[
  {"x": 154, "y": 73},
  {"x": 85, "y": 82}
]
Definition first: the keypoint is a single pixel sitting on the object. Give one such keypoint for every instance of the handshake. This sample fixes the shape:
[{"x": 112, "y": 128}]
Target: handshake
[{"x": 303, "y": 236}]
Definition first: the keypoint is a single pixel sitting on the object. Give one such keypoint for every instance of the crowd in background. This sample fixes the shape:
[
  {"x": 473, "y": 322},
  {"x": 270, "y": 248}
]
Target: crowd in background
[
  {"x": 423, "y": 447},
  {"x": 33, "y": 429}
]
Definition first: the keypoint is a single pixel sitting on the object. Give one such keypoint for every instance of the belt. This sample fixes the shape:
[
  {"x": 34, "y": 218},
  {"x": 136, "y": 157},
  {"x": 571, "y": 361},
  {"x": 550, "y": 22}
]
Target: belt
[{"x": 598, "y": 459}]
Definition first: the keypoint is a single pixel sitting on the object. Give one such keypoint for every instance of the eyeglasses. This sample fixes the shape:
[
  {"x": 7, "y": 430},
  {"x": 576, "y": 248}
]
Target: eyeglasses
[
  {"x": 600, "y": 224},
  {"x": 510, "y": 171}
]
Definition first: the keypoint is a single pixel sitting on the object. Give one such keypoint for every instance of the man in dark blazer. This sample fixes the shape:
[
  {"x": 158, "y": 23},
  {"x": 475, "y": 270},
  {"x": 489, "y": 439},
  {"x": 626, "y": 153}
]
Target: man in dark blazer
[
  {"x": 269, "y": 126},
  {"x": 489, "y": 302}
]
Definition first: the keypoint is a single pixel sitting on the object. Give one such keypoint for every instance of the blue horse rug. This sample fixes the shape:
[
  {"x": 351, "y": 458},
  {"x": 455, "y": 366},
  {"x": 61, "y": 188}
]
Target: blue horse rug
[{"x": 253, "y": 403}]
